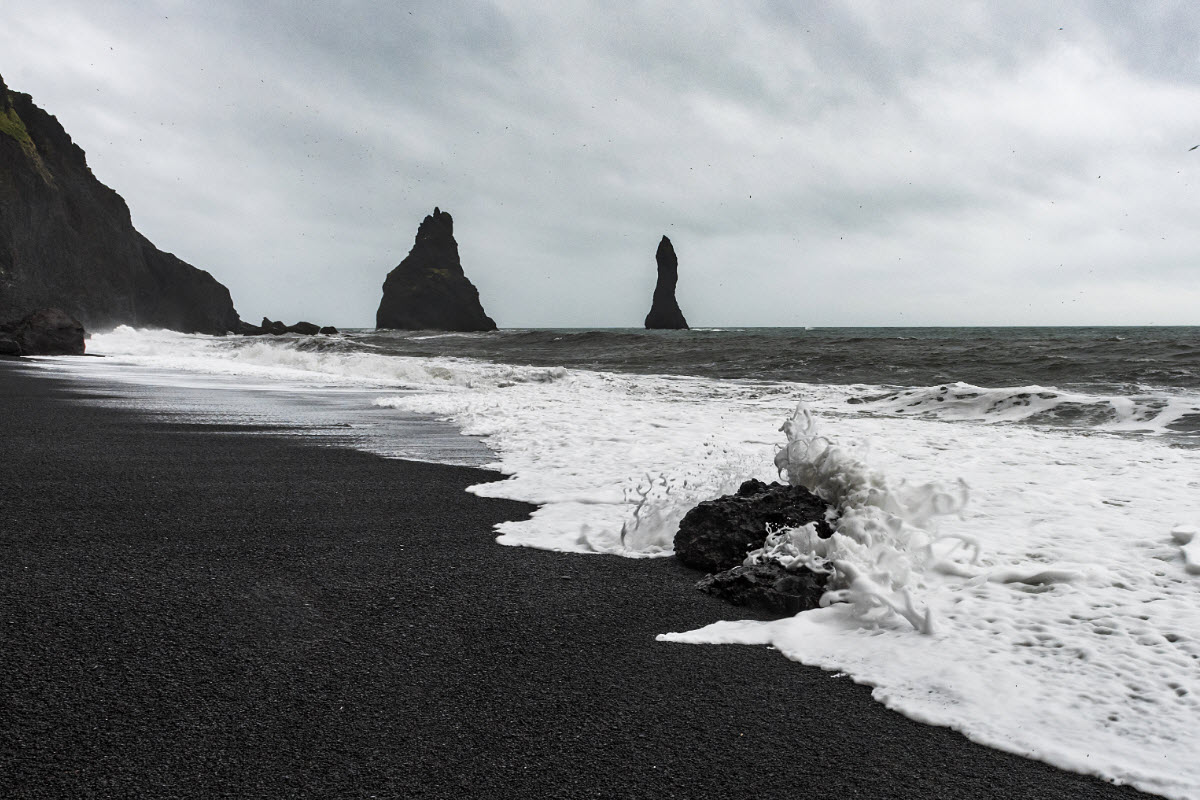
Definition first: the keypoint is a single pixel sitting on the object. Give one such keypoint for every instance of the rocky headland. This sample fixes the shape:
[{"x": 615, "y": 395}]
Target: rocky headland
[
  {"x": 428, "y": 290},
  {"x": 67, "y": 240},
  {"x": 664, "y": 309}
]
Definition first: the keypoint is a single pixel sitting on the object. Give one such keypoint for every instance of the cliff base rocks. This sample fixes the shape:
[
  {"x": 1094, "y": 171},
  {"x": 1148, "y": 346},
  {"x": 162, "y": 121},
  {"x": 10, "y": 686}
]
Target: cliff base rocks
[
  {"x": 428, "y": 289},
  {"x": 48, "y": 332}
]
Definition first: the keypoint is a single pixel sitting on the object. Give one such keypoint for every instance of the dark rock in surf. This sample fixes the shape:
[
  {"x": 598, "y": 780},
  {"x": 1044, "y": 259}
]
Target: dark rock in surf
[
  {"x": 767, "y": 586},
  {"x": 276, "y": 328},
  {"x": 67, "y": 240},
  {"x": 428, "y": 290},
  {"x": 664, "y": 310},
  {"x": 328, "y": 330},
  {"x": 48, "y": 332},
  {"x": 717, "y": 534}
]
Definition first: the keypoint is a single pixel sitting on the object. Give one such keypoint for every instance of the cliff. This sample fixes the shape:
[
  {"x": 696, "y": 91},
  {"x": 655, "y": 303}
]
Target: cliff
[
  {"x": 664, "y": 309},
  {"x": 428, "y": 289},
  {"x": 67, "y": 241}
]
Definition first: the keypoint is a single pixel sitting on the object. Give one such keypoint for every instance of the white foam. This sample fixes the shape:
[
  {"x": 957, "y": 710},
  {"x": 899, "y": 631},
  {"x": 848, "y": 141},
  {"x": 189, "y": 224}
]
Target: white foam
[
  {"x": 1070, "y": 629},
  {"x": 615, "y": 461}
]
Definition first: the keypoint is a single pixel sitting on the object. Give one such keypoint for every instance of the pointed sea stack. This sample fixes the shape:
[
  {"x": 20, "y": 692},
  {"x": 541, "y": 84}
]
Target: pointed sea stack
[
  {"x": 664, "y": 311},
  {"x": 428, "y": 290}
]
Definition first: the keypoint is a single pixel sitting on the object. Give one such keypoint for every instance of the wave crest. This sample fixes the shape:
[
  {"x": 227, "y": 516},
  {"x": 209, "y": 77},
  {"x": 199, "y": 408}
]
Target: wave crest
[
  {"x": 1037, "y": 405},
  {"x": 881, "y": 543},
  {"x": 317, "y": 360}
]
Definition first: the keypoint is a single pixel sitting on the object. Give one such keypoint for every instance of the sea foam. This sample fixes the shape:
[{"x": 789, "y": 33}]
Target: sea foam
[
  {"x": 1068, "y": 628},
  {"x": 614, "y": 461}
]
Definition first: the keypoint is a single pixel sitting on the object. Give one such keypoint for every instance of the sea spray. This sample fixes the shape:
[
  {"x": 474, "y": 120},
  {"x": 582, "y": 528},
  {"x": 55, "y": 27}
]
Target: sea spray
[
  {"x": 661, "y": 499},
  {"x": 881, "y": 542}
]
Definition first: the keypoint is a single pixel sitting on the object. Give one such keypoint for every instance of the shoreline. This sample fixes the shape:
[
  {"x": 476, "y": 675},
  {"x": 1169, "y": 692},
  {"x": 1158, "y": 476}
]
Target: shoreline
[{"x": 207, "y": 614}]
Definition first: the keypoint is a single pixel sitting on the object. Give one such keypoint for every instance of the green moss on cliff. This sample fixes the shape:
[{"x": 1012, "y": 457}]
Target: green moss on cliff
[{"x": 11, "y": 125}]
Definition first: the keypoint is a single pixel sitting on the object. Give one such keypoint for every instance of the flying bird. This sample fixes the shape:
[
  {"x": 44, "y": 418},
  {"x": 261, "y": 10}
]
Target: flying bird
[{"x": 1193, "y": 147}]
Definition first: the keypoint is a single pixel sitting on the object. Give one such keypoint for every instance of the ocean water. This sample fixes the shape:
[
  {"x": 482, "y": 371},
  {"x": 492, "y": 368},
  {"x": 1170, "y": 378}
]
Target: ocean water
[{"x": 1017, "y": 553}]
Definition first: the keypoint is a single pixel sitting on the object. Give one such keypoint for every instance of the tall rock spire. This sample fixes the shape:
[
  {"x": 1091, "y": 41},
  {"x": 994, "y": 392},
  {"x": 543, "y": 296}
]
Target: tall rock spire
[{"x": 664, "y": 310}]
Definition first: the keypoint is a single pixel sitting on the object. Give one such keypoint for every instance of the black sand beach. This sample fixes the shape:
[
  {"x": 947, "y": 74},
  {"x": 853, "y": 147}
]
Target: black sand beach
[{"x": 190, "y": 611}]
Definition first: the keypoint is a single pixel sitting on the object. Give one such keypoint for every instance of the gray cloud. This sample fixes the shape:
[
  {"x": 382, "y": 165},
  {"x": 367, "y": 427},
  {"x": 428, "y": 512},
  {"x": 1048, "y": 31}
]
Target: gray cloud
[{"x": 824, "y": 163}]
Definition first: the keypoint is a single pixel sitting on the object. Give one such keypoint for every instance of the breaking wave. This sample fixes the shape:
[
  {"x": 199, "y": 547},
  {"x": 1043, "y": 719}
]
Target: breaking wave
[
  {"x": 309, "y": 360},
  {"x": 1159, "y": 412}
]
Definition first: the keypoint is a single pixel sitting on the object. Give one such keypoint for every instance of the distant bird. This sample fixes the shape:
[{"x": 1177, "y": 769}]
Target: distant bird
[{"x": 1193, "y": 147}]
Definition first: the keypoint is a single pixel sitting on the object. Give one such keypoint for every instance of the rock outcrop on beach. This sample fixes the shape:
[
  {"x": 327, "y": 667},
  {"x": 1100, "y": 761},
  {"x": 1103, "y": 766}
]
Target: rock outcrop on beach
[
  {"x": 717, "y": 534},
  {"x": 67, "y": 241},
  {"x": 46, "y": 332},
  {"x": 664, "y": 310},
  {"x": 277, "y": 328},
  {"x": 768, "y": 586},
  {"x": 428, "y": 290}
]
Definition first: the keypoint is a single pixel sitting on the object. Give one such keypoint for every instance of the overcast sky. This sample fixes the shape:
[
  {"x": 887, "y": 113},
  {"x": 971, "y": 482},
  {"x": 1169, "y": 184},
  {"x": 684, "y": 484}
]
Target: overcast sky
[{"x": 815, "y": 163}]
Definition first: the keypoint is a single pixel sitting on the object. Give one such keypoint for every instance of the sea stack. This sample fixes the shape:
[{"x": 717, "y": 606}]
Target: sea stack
[
  {"x": 664, "y": 311},
  {"x": 67, "y": 241},
  {"x": 428, "y": 289}
]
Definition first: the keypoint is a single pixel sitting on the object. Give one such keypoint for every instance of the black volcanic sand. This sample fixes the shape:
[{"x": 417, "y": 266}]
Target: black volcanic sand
[{"x": 190, "y": 613}]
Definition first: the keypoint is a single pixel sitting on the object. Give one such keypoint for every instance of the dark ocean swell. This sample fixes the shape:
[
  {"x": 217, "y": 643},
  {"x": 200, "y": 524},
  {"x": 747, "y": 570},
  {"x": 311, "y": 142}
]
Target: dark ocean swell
[{"x": 1099, "y": 360}]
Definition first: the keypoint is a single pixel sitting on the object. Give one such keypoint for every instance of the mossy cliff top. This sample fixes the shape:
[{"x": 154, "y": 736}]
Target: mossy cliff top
[{"x": 10, "y": 123}]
